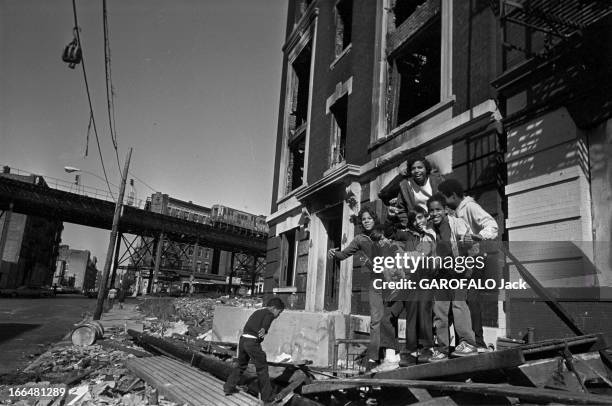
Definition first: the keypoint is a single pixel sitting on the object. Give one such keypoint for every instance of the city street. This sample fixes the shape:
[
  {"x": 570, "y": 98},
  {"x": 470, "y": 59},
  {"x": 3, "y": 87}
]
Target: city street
[{"x": 26, "y": 323}]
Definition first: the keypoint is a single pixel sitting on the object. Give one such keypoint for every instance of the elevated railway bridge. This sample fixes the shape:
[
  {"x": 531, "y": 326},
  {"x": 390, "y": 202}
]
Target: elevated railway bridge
[{"x": 36, "y": 197}]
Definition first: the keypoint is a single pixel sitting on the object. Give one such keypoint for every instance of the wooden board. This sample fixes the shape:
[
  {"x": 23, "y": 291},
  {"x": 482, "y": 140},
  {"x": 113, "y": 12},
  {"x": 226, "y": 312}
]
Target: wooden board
[
  {"x": 183, "y": 384},
  {"x": 440, "y": 401},
  {"x": 457, "y": 366},
  {"x": 538, "y": 373},
  {"x": 536, "y": 395}
]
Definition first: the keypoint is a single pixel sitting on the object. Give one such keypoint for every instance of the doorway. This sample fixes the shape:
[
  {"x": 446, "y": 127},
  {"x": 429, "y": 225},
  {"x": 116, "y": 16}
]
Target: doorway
[{"x": 332, "y": 222}]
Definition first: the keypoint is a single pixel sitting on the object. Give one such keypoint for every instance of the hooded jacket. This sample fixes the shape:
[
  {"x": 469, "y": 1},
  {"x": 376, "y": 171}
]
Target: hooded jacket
[{"x": 481, "y": 222}]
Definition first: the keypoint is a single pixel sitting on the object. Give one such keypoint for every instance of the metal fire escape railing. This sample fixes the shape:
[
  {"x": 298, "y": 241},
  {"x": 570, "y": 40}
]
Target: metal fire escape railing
[{"x": 559, "y": 20}]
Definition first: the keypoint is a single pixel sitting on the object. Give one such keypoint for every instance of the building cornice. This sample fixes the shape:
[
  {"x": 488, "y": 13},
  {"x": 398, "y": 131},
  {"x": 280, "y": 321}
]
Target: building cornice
[{"x": 342, "y": 173}]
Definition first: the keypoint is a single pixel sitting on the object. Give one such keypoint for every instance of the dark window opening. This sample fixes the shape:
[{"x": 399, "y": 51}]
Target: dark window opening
[
  {"x": 344, "y": 24},
  {"x": 295, "y": 172},
  {"x": 289, "y": 245},
  {"x": 300, "y": 88},
  {"x": 339, "y": 119},
  {"x": 404, "y": 8},
  {"x": 417, "y": 75}
]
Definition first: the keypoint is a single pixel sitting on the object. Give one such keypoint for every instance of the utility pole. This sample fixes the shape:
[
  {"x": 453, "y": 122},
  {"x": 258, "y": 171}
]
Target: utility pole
[{"x": 111, "y": 243}]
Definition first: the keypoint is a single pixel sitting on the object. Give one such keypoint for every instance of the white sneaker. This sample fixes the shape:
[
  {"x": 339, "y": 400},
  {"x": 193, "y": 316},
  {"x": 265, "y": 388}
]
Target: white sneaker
[{"x": 386, "y": 366}]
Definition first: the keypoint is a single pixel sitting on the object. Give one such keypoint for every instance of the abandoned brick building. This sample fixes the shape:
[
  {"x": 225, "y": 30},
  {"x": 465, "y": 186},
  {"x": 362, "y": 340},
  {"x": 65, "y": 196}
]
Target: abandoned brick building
[{"x": 514, "y": 101}]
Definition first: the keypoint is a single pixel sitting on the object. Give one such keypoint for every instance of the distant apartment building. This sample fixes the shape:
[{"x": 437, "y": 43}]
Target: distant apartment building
[
  {"x": 75, "y": 269},
  {"x": 28, "y": 244}
]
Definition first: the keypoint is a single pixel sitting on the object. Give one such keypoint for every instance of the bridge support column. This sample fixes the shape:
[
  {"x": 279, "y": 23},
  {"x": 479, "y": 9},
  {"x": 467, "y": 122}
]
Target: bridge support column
[
  {"x": 5, "y": 227},
  {"x": 158, "y": 254}
]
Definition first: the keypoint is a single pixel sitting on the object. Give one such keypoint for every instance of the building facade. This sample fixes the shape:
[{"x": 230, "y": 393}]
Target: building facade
[
  {"x": 75, "y": 269},
  {"x": 28, "y": 244},
  {"x": 365, "y": 84}
]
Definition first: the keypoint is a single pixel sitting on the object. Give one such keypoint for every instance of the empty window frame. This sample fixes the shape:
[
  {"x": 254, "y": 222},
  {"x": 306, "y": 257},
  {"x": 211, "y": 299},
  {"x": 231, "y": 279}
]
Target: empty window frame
[
  {"x": 344, "y": 24},
  {"x": 298, "y": 118},
  {"x": 206, "y": 267},
  {"x": 415, "y": 74},
  {"x": 295, "y": 164},
  {"x": 289, "y": 258},
  {"x": 300, "y": 87},
  {"x": 339, "y": 111}
]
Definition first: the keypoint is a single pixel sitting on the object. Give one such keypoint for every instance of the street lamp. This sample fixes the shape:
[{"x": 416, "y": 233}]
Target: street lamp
[{"x": 71, "y": 169}]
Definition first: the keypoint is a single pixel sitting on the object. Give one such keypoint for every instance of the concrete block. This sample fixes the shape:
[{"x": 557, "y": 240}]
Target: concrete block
[{"x": 303, "y": 335}]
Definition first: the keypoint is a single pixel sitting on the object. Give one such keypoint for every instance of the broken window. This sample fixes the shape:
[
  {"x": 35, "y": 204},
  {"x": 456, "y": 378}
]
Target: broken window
[
  {"x": 339, "y": 120},
  {"x": 298, "y": 114},
  {"x": 298, "y": 118},
  {"x": 344, "y": 24},
  {"x": 415, "y": 76},
  {"x": 295, "y": 172},
  {"x": 288, "y": 257},
  {"x": 402, "y": 9}
]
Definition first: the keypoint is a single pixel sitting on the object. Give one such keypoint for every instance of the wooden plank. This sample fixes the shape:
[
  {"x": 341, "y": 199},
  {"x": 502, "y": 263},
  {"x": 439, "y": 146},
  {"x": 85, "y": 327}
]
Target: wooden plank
[
  {"x": 537, "y": 395},
  {"x": 182, "y": 383},
  {"x": 420, "y": 394},
  {"x": 457, "y": 366},
  {"x": 167, "y": 385},
  {"x": 439, "y": 401},
  {"x": 538, "y": 372},
  {"x": 541, "y": 291},
  {"x": 212, "y": 385}
]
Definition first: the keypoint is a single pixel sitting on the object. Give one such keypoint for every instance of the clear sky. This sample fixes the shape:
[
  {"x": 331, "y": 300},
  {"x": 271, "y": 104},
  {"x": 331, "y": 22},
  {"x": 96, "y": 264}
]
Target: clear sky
[{"x": 197, "y": 86}]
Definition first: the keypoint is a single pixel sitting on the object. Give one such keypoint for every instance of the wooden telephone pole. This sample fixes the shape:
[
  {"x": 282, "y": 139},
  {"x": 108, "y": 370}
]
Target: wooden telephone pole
[{"x": 111, "y": 244}]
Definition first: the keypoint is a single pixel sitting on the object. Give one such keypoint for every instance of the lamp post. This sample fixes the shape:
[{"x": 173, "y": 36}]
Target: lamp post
[{"x": 72, "y": 169}]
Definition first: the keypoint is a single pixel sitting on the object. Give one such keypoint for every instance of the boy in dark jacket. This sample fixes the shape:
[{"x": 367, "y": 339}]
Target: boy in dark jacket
[{"x": 249, "y": 348}]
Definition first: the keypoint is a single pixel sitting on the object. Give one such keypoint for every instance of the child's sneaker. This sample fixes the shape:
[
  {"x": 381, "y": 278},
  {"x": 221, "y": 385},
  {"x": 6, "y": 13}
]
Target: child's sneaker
[
  {"x": 464, "y": 349},
  {"x": 425, "y": 355},
  {"x": 386, "y": 366},
  {"x": 437, "y": 356}
]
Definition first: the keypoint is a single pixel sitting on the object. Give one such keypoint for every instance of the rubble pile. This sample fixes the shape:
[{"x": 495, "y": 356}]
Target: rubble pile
[
  {"x": 92, "y": 375},
  {"x": 187, "y": 315}
]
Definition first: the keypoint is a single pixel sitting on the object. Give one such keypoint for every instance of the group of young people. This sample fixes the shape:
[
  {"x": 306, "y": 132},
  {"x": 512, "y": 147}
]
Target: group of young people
[{"x": 429, "y": 216}]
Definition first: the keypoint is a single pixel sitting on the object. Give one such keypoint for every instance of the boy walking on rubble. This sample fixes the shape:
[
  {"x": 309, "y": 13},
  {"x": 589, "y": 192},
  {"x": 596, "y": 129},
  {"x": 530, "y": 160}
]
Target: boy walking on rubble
[{"x": 249, "y": 348}]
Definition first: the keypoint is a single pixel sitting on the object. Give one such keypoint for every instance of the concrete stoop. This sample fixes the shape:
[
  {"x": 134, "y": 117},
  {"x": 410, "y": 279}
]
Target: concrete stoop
[{"x": 301, "y": 334}]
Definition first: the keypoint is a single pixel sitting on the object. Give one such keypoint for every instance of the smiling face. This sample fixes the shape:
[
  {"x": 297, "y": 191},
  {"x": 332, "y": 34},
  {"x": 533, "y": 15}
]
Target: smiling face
[
  {"x": 367, "y": 221},
  {"x": 420, "y": 221},
  {"x": 419, "y": 172},
  {"x": 436, "y": 212}
]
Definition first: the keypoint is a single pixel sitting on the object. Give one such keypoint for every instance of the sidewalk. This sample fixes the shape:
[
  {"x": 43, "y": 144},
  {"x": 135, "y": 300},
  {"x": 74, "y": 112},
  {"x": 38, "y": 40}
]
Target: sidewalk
[{"x": 118, "y": 317}]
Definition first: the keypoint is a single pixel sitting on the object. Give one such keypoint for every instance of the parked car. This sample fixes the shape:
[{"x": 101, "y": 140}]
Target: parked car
[{"x": 27, "y": 291}]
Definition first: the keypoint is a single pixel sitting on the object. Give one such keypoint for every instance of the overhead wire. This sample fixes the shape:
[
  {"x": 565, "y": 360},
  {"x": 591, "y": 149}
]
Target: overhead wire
[
  {"x": 110, "y": 99},
  {"x": 93, "y": 120}
]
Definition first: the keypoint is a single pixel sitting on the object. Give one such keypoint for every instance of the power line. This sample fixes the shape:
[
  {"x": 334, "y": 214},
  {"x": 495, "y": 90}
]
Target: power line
[
  {"x": 143, "y": 182},
  {"x": 110, "y": 103},
  {"x": 93, "y": 120}
]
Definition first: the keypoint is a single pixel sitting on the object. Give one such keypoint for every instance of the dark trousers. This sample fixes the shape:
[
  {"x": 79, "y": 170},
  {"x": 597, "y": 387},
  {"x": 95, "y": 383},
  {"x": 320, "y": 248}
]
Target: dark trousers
[
  {"x": 475, "y": 304},
  {"x": 425, "y": 321},
  {"x": 250, "y": 349},
  {"x": 419, "y": 318}
]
